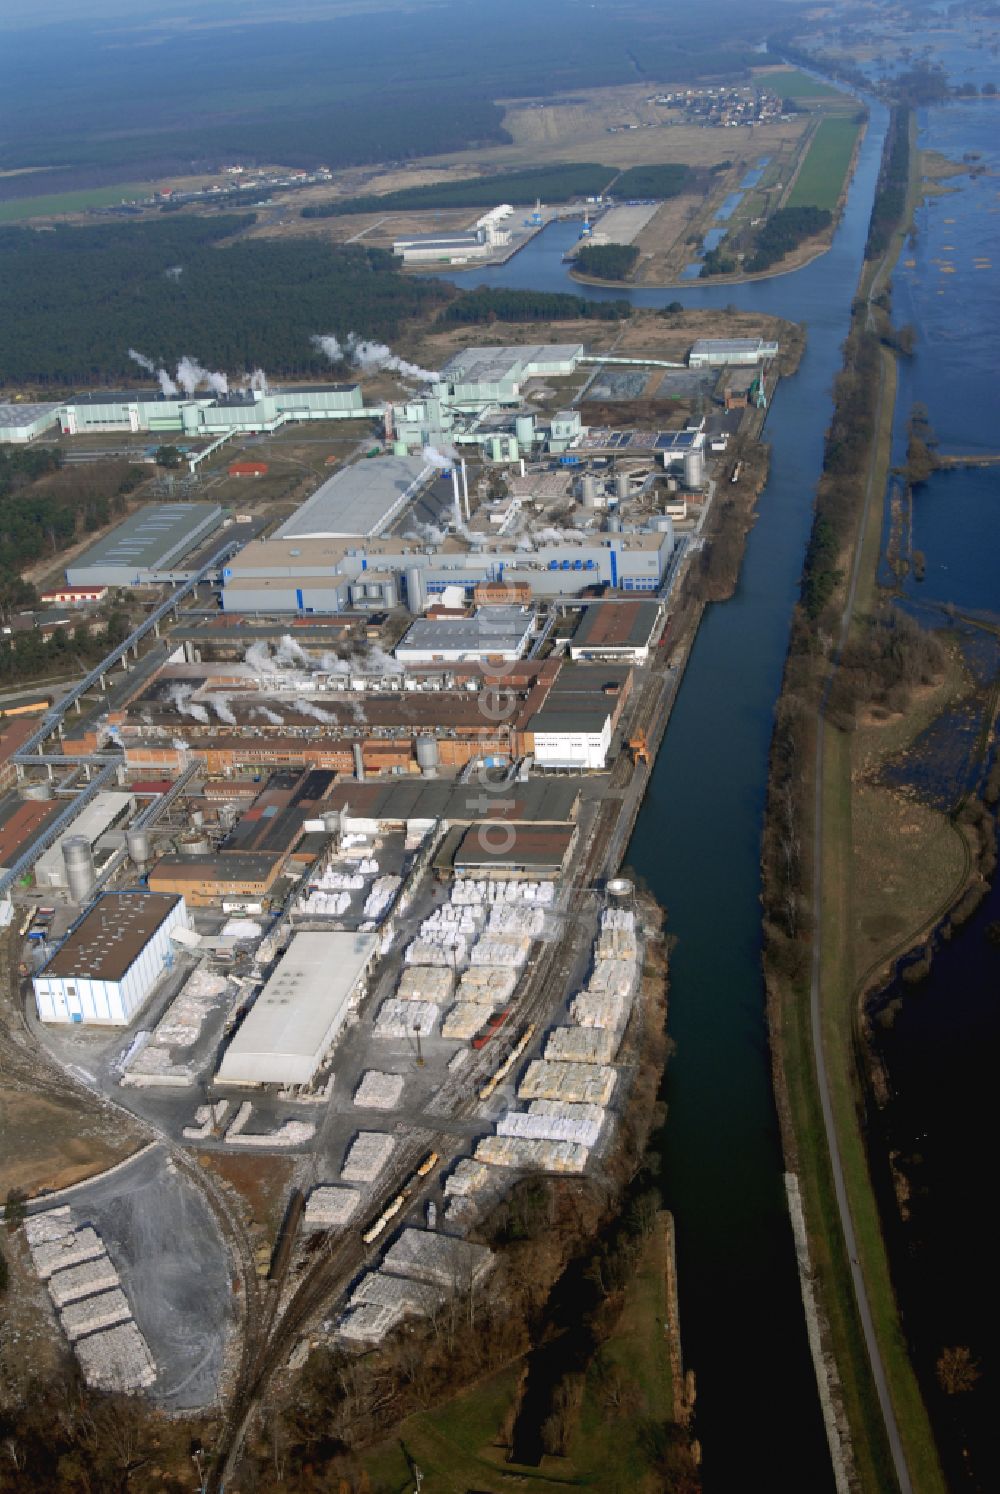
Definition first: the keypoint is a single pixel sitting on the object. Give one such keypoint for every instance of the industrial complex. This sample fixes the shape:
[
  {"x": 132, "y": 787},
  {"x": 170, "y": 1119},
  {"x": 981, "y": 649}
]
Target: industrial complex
[{"x": 321, "y": 860}]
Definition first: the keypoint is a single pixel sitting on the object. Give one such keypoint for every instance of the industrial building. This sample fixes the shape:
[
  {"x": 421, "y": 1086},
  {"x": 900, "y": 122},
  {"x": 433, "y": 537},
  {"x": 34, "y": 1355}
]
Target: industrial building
[
  {"x": 315, "y": 575},
  {"x": 147, "y": 547},
  {"x": 577, "y": 735},
  {"x": 491, "y": 633},
  {"x": 717, "y": 352},
  {"x": 250, "y": 411},
  {"x": 536, "y": 852},
  {"x": 110, "y": 961},
  {"x": 203, "y": 880},
  {"x": 443, "y": 248},
  {"x": 104, "y": 812},
  {"x": 616, "y": 631},
  {"x": 21, "y": 423},
  {"x": 477, "y": 377},
  {"x": 362, "y": 499},
  {"x": 298, "y": 1015}
]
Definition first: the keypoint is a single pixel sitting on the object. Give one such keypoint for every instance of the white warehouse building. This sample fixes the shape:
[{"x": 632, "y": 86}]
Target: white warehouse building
[
  {"x": 298, "y": 1016},
  {"x": 110, "y": 961}
]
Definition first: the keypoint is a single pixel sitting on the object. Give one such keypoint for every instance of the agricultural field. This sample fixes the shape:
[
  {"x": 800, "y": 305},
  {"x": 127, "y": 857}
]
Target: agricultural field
[
  {"x": 59, "y": 204},
  {"x": 790, "y": 83},
  {"x": 824, "y": 171}
]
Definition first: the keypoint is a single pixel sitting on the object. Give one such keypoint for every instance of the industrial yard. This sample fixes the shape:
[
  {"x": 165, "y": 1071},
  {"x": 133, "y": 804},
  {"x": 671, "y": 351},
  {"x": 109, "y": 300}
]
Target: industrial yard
[{"x": 314, "y": 882}]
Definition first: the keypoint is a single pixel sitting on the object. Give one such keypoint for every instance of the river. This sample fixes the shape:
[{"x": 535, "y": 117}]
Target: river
[
  {"x": 940, "y": 1051},
  {"x": 697, "y": 847}
]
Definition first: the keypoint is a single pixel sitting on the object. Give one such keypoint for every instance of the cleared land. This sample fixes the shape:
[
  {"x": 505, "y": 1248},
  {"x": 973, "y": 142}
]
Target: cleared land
[
  {"x": 824, "y": 171},
  {"x": 790, "y": 83}
]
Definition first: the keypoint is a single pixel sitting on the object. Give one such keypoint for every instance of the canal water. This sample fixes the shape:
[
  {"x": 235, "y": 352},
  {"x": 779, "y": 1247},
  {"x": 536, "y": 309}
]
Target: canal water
[
  {"x": 940, "y": 1050},
  {"x": 697, "y": 847}
]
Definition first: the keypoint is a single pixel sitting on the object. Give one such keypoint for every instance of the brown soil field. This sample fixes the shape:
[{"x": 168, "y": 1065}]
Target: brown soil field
[
  {"x": 263, "y": 1183},
  {"x": 51, "y": 1143}
]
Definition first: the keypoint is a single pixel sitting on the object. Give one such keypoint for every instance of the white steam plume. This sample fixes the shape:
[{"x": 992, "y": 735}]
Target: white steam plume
[
  {"x": 377, "y": 661},
  {"x": 190, "y": 374},
  {"x": 258, "y": 656},
  {"x": 333, "y": 664},
  {"x": 267, "y": 714},
  {"x": 220, "y": 705},
  {"x": 167, "y": 386},
  {"x": 444, "y": 460},
  {"x": 142, "y": 360},
  {"x": 258, "y": 381},
  {"x": 179, "y": 697},
  {"x": 370, "y": 357},
  {"x": 290, "y": 652},
  {"x": 310, "y": 708}
]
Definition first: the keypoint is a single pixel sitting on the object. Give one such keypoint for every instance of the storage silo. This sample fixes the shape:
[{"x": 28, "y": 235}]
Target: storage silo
[
  {"x": 194, "y": 843},
  {"x": 591, "y": 494},
  {"x": 416, "y": 589},
  {"x": 623, "y": 486},
  {"x": 359, "y": 763},
  {"x": 524, "y": 431},
  {"x": 139, "y": 846},
  {"x": 191, "y": 420},
  {"x": 80, "y": 874},
  {"x": 614, "y": 524},
  {"x": 694, "y": 469},
  {"x": 428, "y": 756}
]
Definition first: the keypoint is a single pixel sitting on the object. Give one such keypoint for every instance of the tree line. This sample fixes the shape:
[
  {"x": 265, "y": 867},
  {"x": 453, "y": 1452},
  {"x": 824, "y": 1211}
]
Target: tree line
[
  {"x": 784, "y": 231},
  {"x": 501, "y": 305},
  {"x": 558, "y": 183},
  {"x": 889, "y": 203}
]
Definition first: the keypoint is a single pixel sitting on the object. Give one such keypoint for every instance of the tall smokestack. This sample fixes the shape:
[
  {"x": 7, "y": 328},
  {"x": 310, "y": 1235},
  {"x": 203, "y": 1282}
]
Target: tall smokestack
[
  {"x": 465, "y": 490},
  {"x": 457, "y": 497}
]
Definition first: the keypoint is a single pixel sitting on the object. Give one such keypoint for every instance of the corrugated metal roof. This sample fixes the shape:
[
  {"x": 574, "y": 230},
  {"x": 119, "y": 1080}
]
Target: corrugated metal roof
[{"x": 358, "y": 500}]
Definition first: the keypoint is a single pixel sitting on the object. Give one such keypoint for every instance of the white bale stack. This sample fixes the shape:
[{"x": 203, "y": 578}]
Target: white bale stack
[
  {"x": 465, "y": 1019},
  {"x": 401, "y": 1293},
  {"x": 400, "y": 1019},
  {"x": 582, "y": 1044},
  {"x": 97, "y": 1275},
  {"x": 439, "y": 1259},
  {"x": 117, "y": 1359},
  {"x": 45, "y": 1229},
  {"x": 68, "y": 1250},
  {"x": 524, "y": 1153},
  {"x": 378, "y": 1091},
  {"x": 330, "y": 1207},
  {"x": 591, "y": 1009},
  {"x": 367, "y": 1157},
  {"x": 587, "y": 1083},
  {"x": 554, "y": 1120},
  {"x": 493, "y": 983},
  {"x": 501, "y": 950},
  {"x": 91, "y": 1314},
  {"x": 426, "y": 983},
  {"x": 468, "y": 1177},
  {"x": 382, "y": 892},
  {"x": 368, "y": 1323},
  {"x": 423, "y": 952}
]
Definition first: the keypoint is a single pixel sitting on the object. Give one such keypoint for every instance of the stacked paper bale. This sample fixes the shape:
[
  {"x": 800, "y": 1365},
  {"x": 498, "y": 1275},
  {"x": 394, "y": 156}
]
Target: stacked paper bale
[
  {"x": 488, "y": 983},
  {"x": 378, "y": 1091},
  {"x": 465, "y": 1019},
  {"x": 117, "y": 1359},
  {"x": 398, "y": 1019},
  {"x": 554, "y": 1120},
  {"x": 586, "y": 1083},
  {"x": 95, "y": 1275},
  {"x": 582, "y": 1044},
  {"x": 426, "y": 983},
  {"x": 91, "y": 1314},
  {"x": 468, "y": 1177},
  {"x": 330, "y": 1207},
  {"x": 538, "y": 1155},
  {"x": 368, "y": 1155}
]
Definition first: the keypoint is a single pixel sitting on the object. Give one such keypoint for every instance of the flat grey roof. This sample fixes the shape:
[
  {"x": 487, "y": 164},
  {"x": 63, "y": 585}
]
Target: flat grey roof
[
  {"x": 360, "y": 499},
  {"x": 442, "y": 240},
  {"x": 23, "y": 414},
  {"x": 153, "y": 536},
  {"x": 577, "y": 718},
  {"x": 493, "y": 629},
  {"x": 610, "y": 625},
  {"x": 731, "y": 344},
  {"x": 495, "y": 364},
  {"x": 227, "y": 866},
  {"x": 539, "y": 801},
  {"x": 109, "y": 939}
]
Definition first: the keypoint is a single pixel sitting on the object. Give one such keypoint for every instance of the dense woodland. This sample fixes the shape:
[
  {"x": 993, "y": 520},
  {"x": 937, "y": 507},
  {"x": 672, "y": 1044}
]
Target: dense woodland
[
  {"x": 551, "y": 183},
  {"x": 149, "y": 95},
  {"x": 502, "y": 305},
  {"x": 784, "y": 231},
  {"x": 73, "y": 301},
  {"x": 890, "y": 194},
  {"x": 665, "y": 180},
  {"x": 607, "y": 261}
]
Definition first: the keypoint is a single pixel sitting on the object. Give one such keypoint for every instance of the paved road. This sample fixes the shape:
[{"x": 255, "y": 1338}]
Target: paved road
[{"x": 815, "y": 1010}]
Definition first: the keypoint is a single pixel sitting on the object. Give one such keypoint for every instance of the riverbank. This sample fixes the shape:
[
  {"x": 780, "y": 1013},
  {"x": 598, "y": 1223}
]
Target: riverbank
[{"x": 809, "y": 873}]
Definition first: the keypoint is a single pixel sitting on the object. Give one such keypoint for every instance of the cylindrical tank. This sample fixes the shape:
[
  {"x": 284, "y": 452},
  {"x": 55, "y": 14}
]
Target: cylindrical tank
[
  {"x": 139, "y": 846},
  {"x": 194, "y": 843},
  {"x": 614, "y": 524},
  {"x": 331, "y": 822},
  {"x": 197, "y": 818},
  {"x": 80, "y": 874},
  {"x": 694, "y": 469},
  {"x": 590, "y": 491},
  {"x": 622, "y": 486},
  {"x": 359, "y": 763},
  {"x": 428, "y": 756},
  {"x": 620, "y": 891},
  {"x": 524, "y": 431},
  {"x": 36, "y": 791},
  {"x": 416, "y": 589}
]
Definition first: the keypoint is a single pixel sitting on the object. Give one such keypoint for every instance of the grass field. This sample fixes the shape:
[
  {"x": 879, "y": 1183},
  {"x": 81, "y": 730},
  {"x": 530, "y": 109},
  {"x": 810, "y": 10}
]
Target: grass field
[
  {"x": 824, "y": 170},
  {"x": 20, "y": 208},
  {"x": 794, "y": 85},
  {"x": 459, "y": 1446}
]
